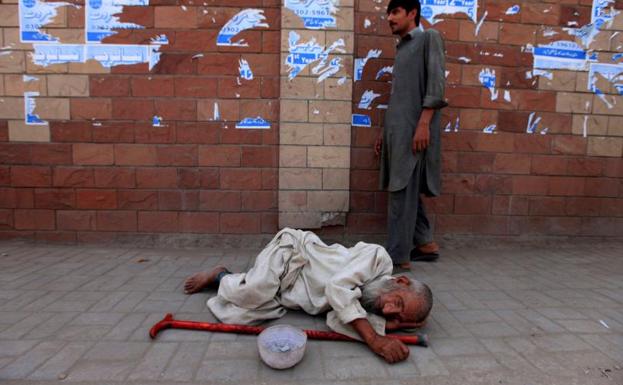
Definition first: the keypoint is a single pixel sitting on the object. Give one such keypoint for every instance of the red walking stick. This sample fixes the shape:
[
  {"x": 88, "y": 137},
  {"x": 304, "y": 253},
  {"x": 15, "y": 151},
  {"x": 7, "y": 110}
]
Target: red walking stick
[{"x": 169, "y": 323}]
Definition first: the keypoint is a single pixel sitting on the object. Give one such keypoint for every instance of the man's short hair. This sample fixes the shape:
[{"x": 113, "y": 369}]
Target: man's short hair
[
  {"x": 408, "y": 5},
  {"x": 425, "y": 295}
]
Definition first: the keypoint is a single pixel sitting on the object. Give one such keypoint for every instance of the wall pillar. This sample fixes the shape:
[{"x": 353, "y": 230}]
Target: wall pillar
[{"x": 315, "y": 116}]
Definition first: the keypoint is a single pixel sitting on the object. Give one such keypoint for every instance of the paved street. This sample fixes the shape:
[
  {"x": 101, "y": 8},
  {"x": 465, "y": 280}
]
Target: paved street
[{"x": 80, "y": 314}]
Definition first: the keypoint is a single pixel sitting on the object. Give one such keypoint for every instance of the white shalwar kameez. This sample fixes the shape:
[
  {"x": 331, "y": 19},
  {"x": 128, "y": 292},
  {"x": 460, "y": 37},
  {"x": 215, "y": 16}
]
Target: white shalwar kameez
[{"x": 296, "y": 270}]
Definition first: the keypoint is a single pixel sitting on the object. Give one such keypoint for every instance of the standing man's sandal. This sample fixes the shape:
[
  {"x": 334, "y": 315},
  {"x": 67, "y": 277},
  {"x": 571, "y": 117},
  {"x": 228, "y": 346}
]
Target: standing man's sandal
[{"x": 428, "y": 252}]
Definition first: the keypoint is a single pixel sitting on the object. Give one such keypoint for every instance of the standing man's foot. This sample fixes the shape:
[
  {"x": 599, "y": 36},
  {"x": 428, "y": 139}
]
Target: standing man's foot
[
  {"x": 199, "y": 281},
  {"x": 427, "y": 252}
]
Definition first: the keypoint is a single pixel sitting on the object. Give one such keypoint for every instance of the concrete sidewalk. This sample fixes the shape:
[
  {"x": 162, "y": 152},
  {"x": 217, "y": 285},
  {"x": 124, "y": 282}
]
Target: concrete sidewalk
[{"x": 77, "y": 314}]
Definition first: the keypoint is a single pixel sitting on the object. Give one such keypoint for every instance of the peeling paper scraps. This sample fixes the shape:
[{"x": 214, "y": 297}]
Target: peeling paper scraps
[
  {"x": 327, "y": 70},
  {"x": 101, "y": 18},
  {"x": 487, "y": 78},
  {"x": 456, "y": 126},
  {"x": 465, "y": 59},
  {"x": 160, "y": 39},
  {"x": 341, "y": 81},
  {"x": 216, "y": 114},
  {"x": 243, "y": 20},
  {"x": 382, "y": 106},
  {"x": 245, "y": 70},
  {"x": 432, "y": 8},
  {"x": 586, "y": 33},
  {"x": 29, "y": 78},
  {"x": 108, "y": 55},
  {"x": 561, "y": 54},
  {"x": 303, "y": 54},
  {"x": 35, "y": 14},
  {"x": 479, "y": 25},
  {"x": 366, "y": 99},
  {"x": 367, "y": 23},
  {"x": 507, "y": 95},
  {"x": 383, "y": 71},
  {"x": 613, "y": 73},
  {"x": 546, "y": 74},
  {"x": 601, "y": 14},
  {"x": 617, "y": 56},
  {"x": 156, "y": 121},
  {"x": 253, "y": 124},
  {"x": 32, "y": 119},
  {"x": 316, "y": 14},
  {"x": 361, "y": 120},
  {"x": 514, "y": 10},
  {"x": 533, "y": 124},
  {"x": 490, "y": 129},
  {"x": 549, "y": 32},
  {"x": 585, "y": 126},
  {"x": 360, "y": 63}
]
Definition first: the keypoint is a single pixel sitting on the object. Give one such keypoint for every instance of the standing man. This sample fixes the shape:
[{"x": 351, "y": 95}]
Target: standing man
[{"x": 409, "y": 144}]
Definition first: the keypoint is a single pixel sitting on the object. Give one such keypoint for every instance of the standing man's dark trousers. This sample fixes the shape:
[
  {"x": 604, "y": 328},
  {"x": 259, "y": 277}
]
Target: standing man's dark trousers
[{"x": 408, "y": 225}]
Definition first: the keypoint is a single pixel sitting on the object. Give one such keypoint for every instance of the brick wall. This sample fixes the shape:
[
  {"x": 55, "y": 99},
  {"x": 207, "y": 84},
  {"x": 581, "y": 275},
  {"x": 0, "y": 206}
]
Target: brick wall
[
  {"x": 563, "y": 181},
  {"x": 100, "y": 169}
]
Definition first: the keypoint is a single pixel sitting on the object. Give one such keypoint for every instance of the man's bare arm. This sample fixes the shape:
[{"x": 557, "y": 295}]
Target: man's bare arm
[
  {"x": 392, "y": 350},
  {"x": 421, "y": 137}
]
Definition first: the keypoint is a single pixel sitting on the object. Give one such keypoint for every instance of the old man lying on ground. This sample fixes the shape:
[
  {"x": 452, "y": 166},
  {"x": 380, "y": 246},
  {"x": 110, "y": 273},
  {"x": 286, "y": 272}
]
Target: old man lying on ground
[{"x": 296, "y": 270}]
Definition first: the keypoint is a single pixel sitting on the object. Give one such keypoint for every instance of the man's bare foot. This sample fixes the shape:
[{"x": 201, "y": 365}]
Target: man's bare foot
[{"x": 199, "y": 281}]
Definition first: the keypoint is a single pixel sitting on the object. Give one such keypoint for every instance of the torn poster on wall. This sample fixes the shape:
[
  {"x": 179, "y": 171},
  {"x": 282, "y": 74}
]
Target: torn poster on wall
[
  {"x": 613, "y": 73},
  {"x": 514, "y": 10},
  {"x": 101, "y": 18},
  {"x": 33, "y": 15},
  {"x": 316, "y": 14},
  {"x": 561, "y": 54},
  {"x": 488, "y": 79},
  {"x": 366, "y": 99},
  {"x": 361, "y": 120},
  {"x": 245, "y": 70},
  {"x": 603, "y": 12},
  {"x": 243, "y": 20},
  {"x": 360, "y": 63},
  {"x": 432, "y": 8},
  {"x": 253, "y": 123},
  {"x": 303, "y": 54},
  {"x": 108, "y": 55},
  {"x": 30, "y": 104},
  {"x": 383, "y": 71}
]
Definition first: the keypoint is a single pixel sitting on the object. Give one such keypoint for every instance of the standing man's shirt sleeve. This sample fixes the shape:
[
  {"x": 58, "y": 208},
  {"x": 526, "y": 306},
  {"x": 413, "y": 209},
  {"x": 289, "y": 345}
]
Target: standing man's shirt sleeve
[{"x": 435, "y": 70}]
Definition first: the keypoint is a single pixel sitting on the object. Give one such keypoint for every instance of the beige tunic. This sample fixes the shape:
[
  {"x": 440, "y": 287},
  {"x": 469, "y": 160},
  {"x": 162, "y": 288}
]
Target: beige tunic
[{"x": 296, "y": 270}]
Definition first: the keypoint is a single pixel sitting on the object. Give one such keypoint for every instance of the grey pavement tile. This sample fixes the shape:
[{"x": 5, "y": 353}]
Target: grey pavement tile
[
  {"x": 51, "y": 325},
  {"x": 230, "y": 371},
  {"x": 82, "y": 332},
  {"x": 234, "y": 349},
  {"x": 125, "y": 328},
  {"x": 57, "y": 367},
  {"x": 584, "y": 326},
  {"x": 449, "y": 324},
  {"x": 560, "y": 343},
  {"x": 457, "y": 346},
  {"x": 492, "y": 329},
  {"x": 14, "y": 348},
  {"x": 514, "y": 361},
  {"x": 351, "y": 368},
  {"x": 97, "y": 318},
  {"x": 472, "y": 362},
  {"x": 611, "y": 345},
  {"x": 23, "y": 366},
  {"x": 561, "y": 313},
  {"x": 24, "y": 326},
  {"x": 475, "y": 316},
  {"x": 180, "y": 335},
  {"x": 11, "y": 317},
  {"x": 107, "y": 303},
  {"x": 312, "y": 364},
  {"x": 42, "y": 302},
  {"x": 185, "y": 362},
  {"x": 99, "y": 371},
  {"x": 428, "y": 363},
  {"x": 129, "y": 302},
  {"x": 152, "y": 366},
  {"x": 117, "y": 351}
]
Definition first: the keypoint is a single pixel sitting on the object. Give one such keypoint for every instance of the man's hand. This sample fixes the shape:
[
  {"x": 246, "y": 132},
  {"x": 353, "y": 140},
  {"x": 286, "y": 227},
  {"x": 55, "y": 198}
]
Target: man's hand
[
  {"x": 421, "y": 139},
  {"x": 391, "y": 349},
  {"x": 378, "y": 144}
]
